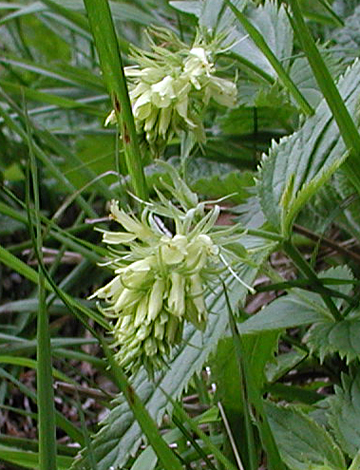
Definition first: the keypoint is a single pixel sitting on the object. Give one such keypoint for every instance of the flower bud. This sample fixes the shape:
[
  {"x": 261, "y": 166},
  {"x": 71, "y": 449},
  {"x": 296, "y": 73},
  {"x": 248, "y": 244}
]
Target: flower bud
[
  {"x": 156, "y": 299},
  {"x": 141, "y": 311},
  {"x": 176, "y": 299}
]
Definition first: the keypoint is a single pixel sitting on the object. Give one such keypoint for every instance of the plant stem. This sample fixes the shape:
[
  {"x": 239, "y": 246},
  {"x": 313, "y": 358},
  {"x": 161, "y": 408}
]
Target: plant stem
[
  {"x": 276, "y": 237},
  {"x": 308, "y": 271}
]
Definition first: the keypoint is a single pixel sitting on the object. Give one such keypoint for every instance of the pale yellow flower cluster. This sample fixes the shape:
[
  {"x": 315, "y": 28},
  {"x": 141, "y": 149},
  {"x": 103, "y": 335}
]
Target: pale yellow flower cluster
[
  {"x": 157, "y": 286},
  {"x": 161, "y": 277},
  {"x": 171, "y": 86}
]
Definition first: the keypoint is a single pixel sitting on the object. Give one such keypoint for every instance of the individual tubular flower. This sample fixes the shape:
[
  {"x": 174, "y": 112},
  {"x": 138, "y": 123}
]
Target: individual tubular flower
[
  {"x": 161, "y": 278},
  {"x": 170, "y": 86}
]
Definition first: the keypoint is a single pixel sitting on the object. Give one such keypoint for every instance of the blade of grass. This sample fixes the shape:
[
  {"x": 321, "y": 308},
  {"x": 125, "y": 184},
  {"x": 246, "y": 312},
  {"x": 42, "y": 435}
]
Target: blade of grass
[
  {"x": 244, "y": 393},
  {"x": 23, "y": 269},
  {"x": 73, "y": 16},
  {"x": 107, "y": 46},
  {"x": 57, "y": 101},
  {"x": 76, "y": 19},
  {"x": 46, "y": 408},
  {"x": 260, "y": 42},
  {"x": 311, "y": 275},
  {"x": 347, "y": 127},
  {"x": 30, "y": 444},
  {"x": 83, "y": 247},
  {"x": 188, "y": 436},
  {"x": 31, "y": 460},
  {"x": 64, "y": 74},
  {"x": 165, "y": 455},
  {"x": 204, "y": 437},
  {"x": 32, "y": 364},
  {"x": 230, "y": 436},
  {"x": 337, "y": 20},
  {"x": 41, "y": 155},
  {"x": 69, "y": 428}
]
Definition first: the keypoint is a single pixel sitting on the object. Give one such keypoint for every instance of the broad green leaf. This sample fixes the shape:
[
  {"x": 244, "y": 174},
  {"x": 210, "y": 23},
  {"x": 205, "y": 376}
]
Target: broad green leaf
[
  {"x": 209, "y": 178},
  {"x": 249, "y": 214},
  {"x": 267, "y": 118},
  {"x": 329, "y": 337},
  {"x": 303, "y": 444},
  {"x": 286, "y": 312},
  {"x": 309, "y": 157},
  {"x": 120, "y": 435},
  {"x": 215, "y": 17},
  {"x": 260, "y": 349},
  {"x": 297, "y": 308},
  {"x": 344, "y": 414}
]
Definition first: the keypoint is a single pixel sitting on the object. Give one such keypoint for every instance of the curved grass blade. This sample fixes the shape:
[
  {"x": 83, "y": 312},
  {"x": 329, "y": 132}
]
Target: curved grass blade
[
  {"x": 45, "y": 391},
  {"x": 111, "y": 64},
  {"x": 67, "y": 426}
]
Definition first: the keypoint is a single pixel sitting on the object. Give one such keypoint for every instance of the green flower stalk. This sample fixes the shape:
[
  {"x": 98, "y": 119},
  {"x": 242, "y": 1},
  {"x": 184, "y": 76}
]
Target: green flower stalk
[
  {"x": 161, "y": 277},
  {"x": 171, "y": 85}
]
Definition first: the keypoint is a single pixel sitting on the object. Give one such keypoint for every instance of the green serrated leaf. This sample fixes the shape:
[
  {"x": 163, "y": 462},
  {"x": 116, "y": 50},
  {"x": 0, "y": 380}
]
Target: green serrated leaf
[
  {"x": 303, "y": 444},
  {"x": 312, "y": 153},
  {"x": 336, "y": 337},
  {"x": 218, "y": 186},
  {"x": 298, "y": 308},
  {"x": 344, "y": 414},
  {"x": 305, "y": 194}
]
